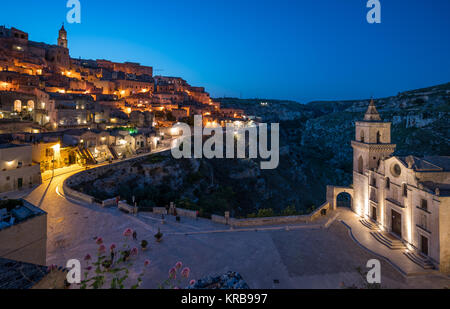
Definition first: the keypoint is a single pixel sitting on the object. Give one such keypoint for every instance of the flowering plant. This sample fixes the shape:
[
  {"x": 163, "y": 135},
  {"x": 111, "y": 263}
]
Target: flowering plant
[
  {"x": 177, "y": 275},
  {"x": 113, "y": 266}
]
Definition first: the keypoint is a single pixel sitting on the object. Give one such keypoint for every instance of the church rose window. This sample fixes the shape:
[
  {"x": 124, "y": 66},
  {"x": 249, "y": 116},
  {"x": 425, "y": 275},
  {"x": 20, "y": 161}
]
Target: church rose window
[{"x": 396, "y": 170}]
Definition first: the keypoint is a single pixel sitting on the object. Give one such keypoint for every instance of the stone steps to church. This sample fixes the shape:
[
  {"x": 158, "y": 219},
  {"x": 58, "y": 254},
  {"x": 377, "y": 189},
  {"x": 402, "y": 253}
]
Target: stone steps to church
[{"x": 388, "y": 241}]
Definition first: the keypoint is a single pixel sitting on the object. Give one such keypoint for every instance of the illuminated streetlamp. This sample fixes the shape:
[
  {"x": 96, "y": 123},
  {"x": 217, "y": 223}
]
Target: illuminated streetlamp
[{"x": 56, "y": 148}]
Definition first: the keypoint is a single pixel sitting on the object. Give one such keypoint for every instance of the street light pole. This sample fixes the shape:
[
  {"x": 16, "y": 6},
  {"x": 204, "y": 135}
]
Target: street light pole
[{"x": 53, "y": 170}]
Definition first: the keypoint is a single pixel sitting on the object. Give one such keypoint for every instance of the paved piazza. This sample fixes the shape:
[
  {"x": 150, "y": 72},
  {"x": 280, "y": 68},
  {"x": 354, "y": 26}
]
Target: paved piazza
[{"x": 302, "y": 256}]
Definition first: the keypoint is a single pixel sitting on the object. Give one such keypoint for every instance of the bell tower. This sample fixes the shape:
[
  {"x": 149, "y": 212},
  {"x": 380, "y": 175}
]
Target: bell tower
[
  {"x": 62, "y": 38},
  {"x": 372, "y": 141}
]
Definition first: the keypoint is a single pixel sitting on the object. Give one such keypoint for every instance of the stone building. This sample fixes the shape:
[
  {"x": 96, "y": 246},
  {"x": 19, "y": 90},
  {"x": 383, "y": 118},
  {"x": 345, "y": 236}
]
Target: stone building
[
  {"x": 406, "y": 198},
  {"x": 70, "y": 110},
  {"x": 17, "y": 169},
  {"x": 23, "y": 232}
]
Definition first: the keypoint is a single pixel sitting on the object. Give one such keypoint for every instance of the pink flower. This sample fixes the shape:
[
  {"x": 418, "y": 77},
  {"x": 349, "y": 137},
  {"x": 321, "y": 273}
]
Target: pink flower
[
  {"x": 185, "y": 272},
  {"x": 99, "y": 241},
  {"x": 128, "y": 232},
  {"x": 52, "y": 267},
  {"x": 172, "y": 273},
  {"x": 178, "y": 265},
  {"x": 134, "y": 251},
  {"x": 192, "y": 282},
  {"x": 113, "y": 246},
  {"x": 87, "y": 257},
  {"x": 102, "y": 249},
  {"x": 146, "y": 263}
]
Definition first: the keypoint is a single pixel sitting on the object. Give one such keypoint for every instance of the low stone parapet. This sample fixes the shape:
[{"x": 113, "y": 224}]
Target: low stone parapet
[
  {"x": 186, "y": 213},
  {"x": 219, "y": 219},
  {"x": 269, "y": 221},
  {"x": 321, "y": 211},
  {"x": 159, "y": 210},
  {"x": 109, "y": 202},
  {"x": 128, "y": 208},
  {"x": 76, "y": 194}
]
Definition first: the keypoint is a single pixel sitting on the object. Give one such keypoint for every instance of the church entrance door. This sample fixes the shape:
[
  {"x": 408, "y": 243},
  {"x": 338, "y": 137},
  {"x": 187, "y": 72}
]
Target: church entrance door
[{"x": 396, "y": 223}]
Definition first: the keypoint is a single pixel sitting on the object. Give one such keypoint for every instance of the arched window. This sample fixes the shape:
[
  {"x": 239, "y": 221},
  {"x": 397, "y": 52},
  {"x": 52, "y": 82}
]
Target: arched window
[
  {"x": 360, "y": 165},
  {"x": 17, "y": 106},
  {"x": 362, "y": 136},
  {"x": 378, "y": 137},
  {"x": 30, "y": 105}
]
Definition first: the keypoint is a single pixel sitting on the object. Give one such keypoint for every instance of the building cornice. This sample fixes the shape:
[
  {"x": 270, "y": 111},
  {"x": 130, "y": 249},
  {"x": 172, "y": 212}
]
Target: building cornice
[{"x": 374, "y": 147}]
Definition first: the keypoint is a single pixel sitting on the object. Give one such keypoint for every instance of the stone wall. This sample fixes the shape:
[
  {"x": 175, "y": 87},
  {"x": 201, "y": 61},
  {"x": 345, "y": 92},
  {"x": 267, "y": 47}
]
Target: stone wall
[
  {"x": 274, "y": 220},
  {"x": 30, "y": 175},
  {"x": 160, "y": 210},
  {"x": 219, "y": 219},
  {"x": 269, "y": 221},
  {"x": 92, "y": 174},
  {"x": 75, "y": 194},
  {"x": 109, "y": 202},
  {"x": 186, "y": 213},
  {"x": 124, "y": 206},
  {"x": 444, "y": 224}
]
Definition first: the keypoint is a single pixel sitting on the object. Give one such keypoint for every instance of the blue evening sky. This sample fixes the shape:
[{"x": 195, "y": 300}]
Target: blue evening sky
[{"x": 284, "y": 49}]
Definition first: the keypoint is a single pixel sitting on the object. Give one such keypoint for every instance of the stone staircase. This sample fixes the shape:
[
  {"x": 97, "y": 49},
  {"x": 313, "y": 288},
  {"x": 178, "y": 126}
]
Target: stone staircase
[
  {"x": 368, "y": 224},
  {"x": 388, "y": 240},
  {"x": 419, "y": 260}
]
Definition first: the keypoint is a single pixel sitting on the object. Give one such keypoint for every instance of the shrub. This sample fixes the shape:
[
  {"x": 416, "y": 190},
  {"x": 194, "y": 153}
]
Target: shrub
[
  {"x": 144, "y": 244},
  {"x": 265, "y": 212},
  {"x": 158, "y": 235},
  {"x": 290, "y": 211}
]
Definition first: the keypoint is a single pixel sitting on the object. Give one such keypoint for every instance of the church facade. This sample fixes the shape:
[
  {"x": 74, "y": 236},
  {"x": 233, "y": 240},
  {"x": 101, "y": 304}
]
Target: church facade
[{"x": 407, "y": 198}]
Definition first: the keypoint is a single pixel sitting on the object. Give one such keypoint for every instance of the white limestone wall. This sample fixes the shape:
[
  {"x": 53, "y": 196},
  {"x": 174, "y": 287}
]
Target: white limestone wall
[
  {"x": 444, "y": 235},
  {"x": 361, "y": 199}
]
